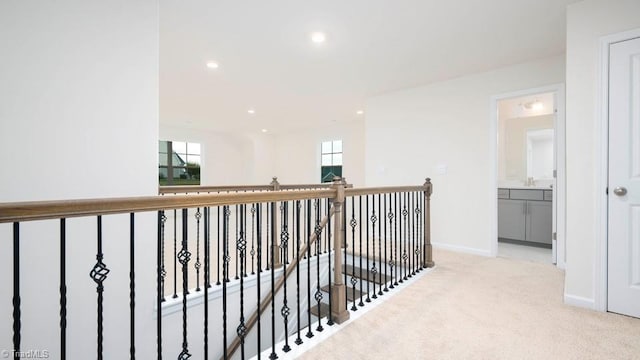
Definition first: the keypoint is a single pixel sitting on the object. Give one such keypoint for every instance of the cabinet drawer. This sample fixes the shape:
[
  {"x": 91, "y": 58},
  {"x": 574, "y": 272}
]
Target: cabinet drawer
[
  {"x": 548, "y": 195},
  {"x": 503, "y": 193},
  {"x": 522, "y": 194}
]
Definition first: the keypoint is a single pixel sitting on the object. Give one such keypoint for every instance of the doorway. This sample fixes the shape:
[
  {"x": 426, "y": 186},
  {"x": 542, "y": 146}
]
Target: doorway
[{"x": 527, "y": 140}]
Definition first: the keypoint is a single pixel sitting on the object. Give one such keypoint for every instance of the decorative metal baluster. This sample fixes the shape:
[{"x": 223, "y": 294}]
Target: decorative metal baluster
[
  {"x": 258, "y": 282},
  {"x": 395, "y": 235},
  {"x": 16, "y": 291},
  {"x": 420, "y": 229},
  {"x": 367, "y": 271},
  {"x": 163, "y": 270},
  {"x": 237, "y": 254},
  {"x": 386, "y": 278},
  {"x": 410, "y": 238},
  {"x": 198, "y": 265},
  {"x": 132, "y": 285},
  {"x": 284, "y": 245},
  {"x": 361, "y": 303},
  {"x": 374, "y": 269},
  {"x": 268, "y": 258},
  {"x": 184, "y": 256},
  {"x": 218, "y": 256},
  {"x": 175, "y": 254},
  {"x": 253, "y": 230},
  {"x": 241, "y": 246},
  {"x": 406, "y": 237},
  {"x": 318, "y": 294},
  {"x": 309, "y": 333},
  {"x": 244, "y": 226},
  {"x": 207, "y": 279},
  {"x": 380, "y": 245},
  {"x": 63, "y": 289},
  {"x": 328, "y": 235},
  {"x": 298, "y": 206},
  {"x": 159, "y": 283},
  {"x": 99, "y": 275},
  {"x": 345, "y": 245},
  {"x": 353, "y": 223},
  {"x": 273, "y": 354},
  {"x": 416, "y": 251},
  {"x": 225, "y": 276},
  {"x": 390, "y": 215}
]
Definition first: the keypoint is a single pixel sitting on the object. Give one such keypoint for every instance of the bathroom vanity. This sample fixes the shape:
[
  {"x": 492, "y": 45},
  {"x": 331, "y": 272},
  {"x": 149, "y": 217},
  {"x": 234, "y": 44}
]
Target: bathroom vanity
[{"x": 525, "y": 214}]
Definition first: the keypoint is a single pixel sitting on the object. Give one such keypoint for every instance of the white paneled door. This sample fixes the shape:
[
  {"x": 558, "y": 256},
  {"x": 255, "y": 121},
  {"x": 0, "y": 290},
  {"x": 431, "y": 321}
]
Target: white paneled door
[{"x": 624, "y": 179}]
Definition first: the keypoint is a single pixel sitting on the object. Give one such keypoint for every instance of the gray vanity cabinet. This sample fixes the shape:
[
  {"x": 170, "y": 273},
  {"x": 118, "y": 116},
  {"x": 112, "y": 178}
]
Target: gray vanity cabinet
[{"x": 525, "y": 215}]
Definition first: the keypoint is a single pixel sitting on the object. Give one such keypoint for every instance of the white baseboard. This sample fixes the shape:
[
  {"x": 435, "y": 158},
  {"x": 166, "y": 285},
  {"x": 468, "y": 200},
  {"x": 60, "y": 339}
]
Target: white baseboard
[
  {"x": 579, "y": 301},
  {"x": 462, "y": 249}
]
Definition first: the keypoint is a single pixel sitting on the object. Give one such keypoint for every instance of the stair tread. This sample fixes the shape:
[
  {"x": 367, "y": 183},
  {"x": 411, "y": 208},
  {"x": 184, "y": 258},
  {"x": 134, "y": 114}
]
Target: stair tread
[
  {"x": 324, "y": 310},
  {"x": 350, "y": 296},
  {"x": 379, "y": 278}
]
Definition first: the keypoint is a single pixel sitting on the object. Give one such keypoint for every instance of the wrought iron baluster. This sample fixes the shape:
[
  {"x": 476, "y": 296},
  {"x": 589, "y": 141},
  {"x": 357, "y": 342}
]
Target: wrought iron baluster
[
  {"x": 225, "y": 276},
  {"x": 405, "y": 213},
  {"x": 253, "y": 230},
  {"x": 353, "y": 223},
  {"x": 207, "y": 279},
  {"x": 345, "y": 245},
  {"x": 298, "y": 207},
  {"x": 258, "y": 281},
  {"x": 63, "y": 289},
  {"x": 184, "y": 256},
  {"x": 380, "y": 261},
  {"x": 237, "y": 255},
  {"x": 175, "y": 254},
  {"x": 309, "y": 333},
  {"x": 361, "y": 303},
  {"x": 318, "y": 294},
  {"x": 268, "y": 258},
  {"x": 395, "y": 233},
  {"x": 198, "y": 265},
  {"x": 421, "y": 229},
  {"x": 159, "y": 284},
  {"x": 132, "y": 285},
  {"x": 218, "y": 262},
  {"x": 162, "y": 221},
  {"x": 391, "y": 216},
  {"x": 410, "y": 238},
  {"x": 416, "y": 250},
  {"x": 241, "y": 247},
  {"x": 328, "y": 235},
  {"x": 284, "y": 245},
  {"x": 367, "y": 240},
  {"x": 374, "y": 269},
  {"x": 16, "y": 291},
  {"x": 244, "y": 227},
  {"x": 99, "y": 274},
  {"x": 386, "y": 242},
  {"x": 273, "y": 354}
]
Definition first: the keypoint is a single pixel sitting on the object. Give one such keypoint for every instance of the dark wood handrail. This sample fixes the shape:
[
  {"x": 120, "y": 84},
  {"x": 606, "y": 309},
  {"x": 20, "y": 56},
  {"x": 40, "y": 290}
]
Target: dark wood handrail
[{"x": 43, "y": 210}]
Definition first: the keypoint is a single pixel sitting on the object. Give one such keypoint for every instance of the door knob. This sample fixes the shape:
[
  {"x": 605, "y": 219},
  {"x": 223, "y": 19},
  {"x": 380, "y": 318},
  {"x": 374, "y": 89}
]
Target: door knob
[{"x": 620, "y": 191}]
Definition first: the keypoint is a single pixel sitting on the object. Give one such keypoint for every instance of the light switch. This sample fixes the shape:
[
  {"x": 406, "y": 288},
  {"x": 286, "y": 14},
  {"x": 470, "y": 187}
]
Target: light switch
[{"x": 441, "y": 169}]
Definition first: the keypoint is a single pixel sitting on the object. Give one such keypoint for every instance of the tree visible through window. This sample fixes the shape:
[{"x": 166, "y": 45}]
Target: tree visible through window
[
  {"x": 331, "y": 161},
  {"x": 179, "y": 163}
]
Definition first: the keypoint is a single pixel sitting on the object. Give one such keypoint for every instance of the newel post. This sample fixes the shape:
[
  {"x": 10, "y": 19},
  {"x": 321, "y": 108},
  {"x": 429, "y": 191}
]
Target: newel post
[
  {"x": 427, "y": 256},
  {"x": 338, "y": 289},
  {"x": 275, "y": 225}
]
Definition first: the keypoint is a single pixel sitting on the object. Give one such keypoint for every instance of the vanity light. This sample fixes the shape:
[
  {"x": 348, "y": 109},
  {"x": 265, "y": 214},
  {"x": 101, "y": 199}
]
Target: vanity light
[
  {"x": 251, "y": 111},
  {"x": 537, "y": 105},
  {"x": 264, "y": 130},
  {"x": 212, "y": 65},
  {"x": 318, "y": 37},
  {"x": 360, "y": 112}
]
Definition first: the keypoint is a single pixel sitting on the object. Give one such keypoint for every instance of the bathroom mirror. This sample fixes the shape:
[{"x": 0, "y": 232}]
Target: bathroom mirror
[{"x": 540, "y": 154}]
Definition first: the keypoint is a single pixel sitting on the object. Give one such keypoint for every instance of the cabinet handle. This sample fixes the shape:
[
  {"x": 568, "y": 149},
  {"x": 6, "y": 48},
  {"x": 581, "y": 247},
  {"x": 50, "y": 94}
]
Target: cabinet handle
[{"x": 524, "y": 208}]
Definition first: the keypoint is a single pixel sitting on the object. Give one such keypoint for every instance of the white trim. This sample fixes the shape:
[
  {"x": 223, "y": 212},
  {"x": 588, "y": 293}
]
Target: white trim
[
  {"x": 462, "y": 249},
  {"x": 602, "y": 155},
  {"x": 560, "y": 190},
  {"x": 579, "y": 301}
]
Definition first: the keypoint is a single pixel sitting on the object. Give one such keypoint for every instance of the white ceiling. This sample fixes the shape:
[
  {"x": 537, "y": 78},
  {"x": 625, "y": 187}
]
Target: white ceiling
[{"x": 268, "y": 63}]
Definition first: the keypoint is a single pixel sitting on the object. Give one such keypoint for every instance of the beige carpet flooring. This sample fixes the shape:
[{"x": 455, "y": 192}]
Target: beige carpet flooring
[{"x": 472, "y": 307}]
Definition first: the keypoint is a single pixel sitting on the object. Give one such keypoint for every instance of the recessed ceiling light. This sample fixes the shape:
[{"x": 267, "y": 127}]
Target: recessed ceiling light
[
  {"x": 212, "y": 65},
  {"x": 251, "y": 111},
  {"x": 318, "y": 37},
  {"x": 264, "y": 130},
  {"x": 360, "y": 112}
]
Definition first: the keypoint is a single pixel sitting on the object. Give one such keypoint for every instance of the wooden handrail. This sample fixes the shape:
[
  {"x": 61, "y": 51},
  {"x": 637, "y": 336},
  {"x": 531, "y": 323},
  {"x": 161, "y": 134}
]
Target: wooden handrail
[
  {"x": 186, "y": 189},
  {"x": 381, "y": 190},
  {"x": 235, "y": 344},
  {"x": 43, "y": 210}
]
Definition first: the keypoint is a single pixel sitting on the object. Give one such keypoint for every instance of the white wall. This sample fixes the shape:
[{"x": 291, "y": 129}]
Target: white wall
[
  {"x": 228, "y": 158},
  {"x": 297, "y": 155},
  {"x": 587, "y": 22},
  {"x": 78, "y": 119},
  {"x": 410, "y": 133}
]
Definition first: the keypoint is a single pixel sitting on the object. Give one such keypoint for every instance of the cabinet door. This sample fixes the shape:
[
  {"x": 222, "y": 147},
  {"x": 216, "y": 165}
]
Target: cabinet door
[
  {"x": 539, "y": 221},
  {"x": 511, "y": 219}
]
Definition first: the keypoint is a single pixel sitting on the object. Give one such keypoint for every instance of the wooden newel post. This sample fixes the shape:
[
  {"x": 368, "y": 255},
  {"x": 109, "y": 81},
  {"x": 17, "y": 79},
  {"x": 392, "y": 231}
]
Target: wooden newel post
[
  {"x": 338, "y": 289},
  {"x": 275, "y": 225},
  {"x": 427, "y": 256}
]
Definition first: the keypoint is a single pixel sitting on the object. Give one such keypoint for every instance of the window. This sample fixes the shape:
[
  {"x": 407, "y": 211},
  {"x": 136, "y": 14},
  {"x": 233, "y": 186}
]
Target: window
[
  {"x": 331, "y": 161},
  {"x": 179, "y": 163}
]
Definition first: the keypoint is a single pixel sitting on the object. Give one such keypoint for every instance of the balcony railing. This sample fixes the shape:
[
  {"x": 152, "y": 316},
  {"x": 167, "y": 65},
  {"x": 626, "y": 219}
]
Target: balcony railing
[{"x": 233, "y": 256}]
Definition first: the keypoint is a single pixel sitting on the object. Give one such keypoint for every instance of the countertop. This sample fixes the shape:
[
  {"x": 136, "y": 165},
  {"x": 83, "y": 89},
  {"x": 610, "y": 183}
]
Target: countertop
[{"x": 522, "y": 187}]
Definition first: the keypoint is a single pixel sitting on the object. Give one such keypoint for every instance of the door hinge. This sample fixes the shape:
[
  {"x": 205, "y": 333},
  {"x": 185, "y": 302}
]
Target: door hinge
[
  {"x": 555, "y": 236},
  {"x": 555, "y": 173},
  {"x": 606, "y": 191}
]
